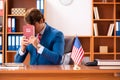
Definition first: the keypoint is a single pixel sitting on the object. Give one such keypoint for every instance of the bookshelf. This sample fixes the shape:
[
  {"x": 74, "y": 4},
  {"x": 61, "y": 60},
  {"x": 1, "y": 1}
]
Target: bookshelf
[
  {"x": 86, "y": 42},
  {"x": 117, "y": 37},
  {"x": 108, "y": 12},
  {"x": 18, "y": 23},
  {"x": 2, "y": 26}
]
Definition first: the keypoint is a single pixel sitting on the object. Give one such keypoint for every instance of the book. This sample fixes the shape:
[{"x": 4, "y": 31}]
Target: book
[
  {"x": 96, "y": 13},
  {"x": 14, "y": 64},
  {"x": 95, "y": 29},
  {"x": 28, "y": 30},
  {"x": 110, "y": 30},
  {"x": 108, "y": 62},
  {"x": 109, "y": 67}
]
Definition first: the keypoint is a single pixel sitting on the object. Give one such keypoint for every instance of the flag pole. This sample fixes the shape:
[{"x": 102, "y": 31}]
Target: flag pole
[{"x": 76, "y": 67}]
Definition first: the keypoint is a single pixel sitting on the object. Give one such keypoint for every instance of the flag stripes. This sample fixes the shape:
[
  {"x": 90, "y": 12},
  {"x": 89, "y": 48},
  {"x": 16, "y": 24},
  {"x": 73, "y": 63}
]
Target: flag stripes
[{"x": 77, "y": 52}]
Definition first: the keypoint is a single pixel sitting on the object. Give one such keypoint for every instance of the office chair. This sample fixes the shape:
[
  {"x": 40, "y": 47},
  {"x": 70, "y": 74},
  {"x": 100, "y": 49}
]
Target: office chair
[{"x": 69, "y": 40}]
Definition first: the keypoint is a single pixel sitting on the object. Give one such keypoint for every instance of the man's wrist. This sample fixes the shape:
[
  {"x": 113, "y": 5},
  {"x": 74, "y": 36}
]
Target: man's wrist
[
  {"x": 22, "y": 49},
  {"x": 38, "y": 47},
  {"x": 21, "y": 52}
]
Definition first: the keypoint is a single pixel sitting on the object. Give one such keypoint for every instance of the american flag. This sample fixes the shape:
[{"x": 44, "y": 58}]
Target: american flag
[{"x": 77, "y": 52}]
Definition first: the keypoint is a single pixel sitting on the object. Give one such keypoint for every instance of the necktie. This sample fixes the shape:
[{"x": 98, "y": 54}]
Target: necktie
[{"x": 39, "y": 36}]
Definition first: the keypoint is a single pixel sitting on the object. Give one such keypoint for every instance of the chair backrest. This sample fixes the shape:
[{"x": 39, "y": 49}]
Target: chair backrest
[{"x": 69, "y": 40}]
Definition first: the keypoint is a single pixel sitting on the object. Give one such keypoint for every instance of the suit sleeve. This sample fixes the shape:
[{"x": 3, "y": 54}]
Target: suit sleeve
[
  {"x": 55, "y": 55},
  {"x": 20, "y": 58}
]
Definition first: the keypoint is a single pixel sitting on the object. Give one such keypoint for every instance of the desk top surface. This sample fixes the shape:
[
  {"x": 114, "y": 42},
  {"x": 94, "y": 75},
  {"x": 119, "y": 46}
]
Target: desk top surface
[{"x": 59, "y": 69}]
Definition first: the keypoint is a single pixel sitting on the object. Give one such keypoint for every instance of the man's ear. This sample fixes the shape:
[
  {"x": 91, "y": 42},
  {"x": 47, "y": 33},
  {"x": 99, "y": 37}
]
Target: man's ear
[{"x": 42, "y": 20}]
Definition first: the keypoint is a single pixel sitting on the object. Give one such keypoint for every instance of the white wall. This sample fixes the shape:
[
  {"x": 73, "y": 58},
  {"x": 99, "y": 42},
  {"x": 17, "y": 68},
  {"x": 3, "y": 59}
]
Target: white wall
[{"x": 71, "y": 20}]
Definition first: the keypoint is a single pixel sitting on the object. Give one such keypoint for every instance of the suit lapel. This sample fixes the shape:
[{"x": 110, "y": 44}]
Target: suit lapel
[{"x": 45, "y": 35}]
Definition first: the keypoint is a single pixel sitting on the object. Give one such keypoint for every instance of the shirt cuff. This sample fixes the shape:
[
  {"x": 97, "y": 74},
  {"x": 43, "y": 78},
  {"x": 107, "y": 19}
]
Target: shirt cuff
[
  {"x": 21, "y": 52},
  {"x": 40, "y": 50}
]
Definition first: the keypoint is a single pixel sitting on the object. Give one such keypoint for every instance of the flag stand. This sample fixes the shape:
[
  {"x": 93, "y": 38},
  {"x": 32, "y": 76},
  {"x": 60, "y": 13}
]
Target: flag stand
[{"x": 76, "y": 67}]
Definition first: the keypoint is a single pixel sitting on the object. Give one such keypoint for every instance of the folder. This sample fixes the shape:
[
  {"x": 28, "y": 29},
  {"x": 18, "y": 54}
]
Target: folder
[
  {"x": 20, "y": 40},
  {"x": 0, "y": 27},
  {"x": 13, "y": 42},
  {"x": 0, "y": 42},
  {"x": 0, "y": 58},
  {"x": 9, "y": 25},
  {"x": 1, "y": 8},
  {"x": 42, "y": 6},
  {"x": 9, "y": 42},
  {"x": 13, "y": 25},
  {"x": 38, "y": 4},
  {"x": 17, "y": 42}
]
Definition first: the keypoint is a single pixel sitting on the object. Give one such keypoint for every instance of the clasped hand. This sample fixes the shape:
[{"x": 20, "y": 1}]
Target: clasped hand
[{"x": 32, "y": 40}]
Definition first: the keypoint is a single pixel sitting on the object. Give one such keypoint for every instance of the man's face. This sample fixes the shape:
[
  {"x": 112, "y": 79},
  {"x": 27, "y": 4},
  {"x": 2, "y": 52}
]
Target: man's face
[{"x": 38, "y": 27}]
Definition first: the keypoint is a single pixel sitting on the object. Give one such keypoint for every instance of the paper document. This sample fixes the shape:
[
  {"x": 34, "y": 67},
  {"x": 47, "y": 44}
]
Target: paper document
[
  {"x": 9, "y": 68},
  {"x": 109, "y": 67}
]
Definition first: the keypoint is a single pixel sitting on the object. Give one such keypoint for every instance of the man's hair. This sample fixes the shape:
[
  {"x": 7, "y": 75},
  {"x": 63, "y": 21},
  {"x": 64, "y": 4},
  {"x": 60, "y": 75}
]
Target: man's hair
[{"x": 32, "y": 16}]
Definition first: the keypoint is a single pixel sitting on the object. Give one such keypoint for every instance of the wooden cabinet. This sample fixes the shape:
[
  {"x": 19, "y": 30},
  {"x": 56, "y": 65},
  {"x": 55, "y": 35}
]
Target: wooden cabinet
[
  {"x": 19, "y": 22},
  {"x": 109, "y": 13},
  {"x": 117, "y": 16},
  {"x": 86, "y": 42},
  {"x": 2, "y": 27}
]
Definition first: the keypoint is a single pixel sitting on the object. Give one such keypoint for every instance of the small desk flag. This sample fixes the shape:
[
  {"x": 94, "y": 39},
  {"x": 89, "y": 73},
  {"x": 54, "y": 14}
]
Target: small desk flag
[{"x": 77, "y": 52}]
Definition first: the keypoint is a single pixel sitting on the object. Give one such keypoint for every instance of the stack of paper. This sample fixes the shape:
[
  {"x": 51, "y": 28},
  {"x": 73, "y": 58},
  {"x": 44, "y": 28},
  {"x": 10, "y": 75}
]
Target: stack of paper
[
  {"x": 109, "y": 67},
  {"x": 109, "y": 64},
  {"x": 11, "y": 66}
]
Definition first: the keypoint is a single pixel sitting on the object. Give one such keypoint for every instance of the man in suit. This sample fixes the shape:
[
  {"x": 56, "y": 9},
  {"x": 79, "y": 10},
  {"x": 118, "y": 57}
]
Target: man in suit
[{"x": 47, "y": 51}]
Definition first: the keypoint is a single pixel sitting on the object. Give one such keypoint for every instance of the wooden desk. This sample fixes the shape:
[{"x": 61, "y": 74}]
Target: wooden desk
[{"x": 56, "y": 72}]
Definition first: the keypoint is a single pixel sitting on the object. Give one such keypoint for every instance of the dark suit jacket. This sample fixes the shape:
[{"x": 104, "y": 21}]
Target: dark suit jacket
[{"x": 53, "y": 41}]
